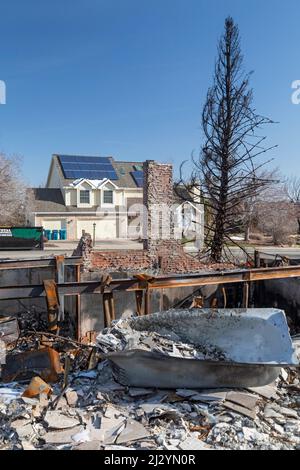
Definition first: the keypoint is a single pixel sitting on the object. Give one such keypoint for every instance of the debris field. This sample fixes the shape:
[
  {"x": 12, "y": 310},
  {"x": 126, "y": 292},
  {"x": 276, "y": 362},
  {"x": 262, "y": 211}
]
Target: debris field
[{"x": 71, "y": 398}]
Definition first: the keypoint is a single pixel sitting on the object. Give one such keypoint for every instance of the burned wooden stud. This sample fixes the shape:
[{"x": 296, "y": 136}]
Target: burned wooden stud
[
  {"x": 139, "y": 294},
  {"x": 147, "y": 300},
  {"x": 145, "y": 281},
  {"x": 52, "y": 305},
  {"x": 60, "y": 279},
  {"x": 108, "y": 301},
  {"x": 107, "y": 309},
  {"x": 112, "y": 306},
  {"x": 245, "y": 295},
  {"x": 256, "y": 259}
]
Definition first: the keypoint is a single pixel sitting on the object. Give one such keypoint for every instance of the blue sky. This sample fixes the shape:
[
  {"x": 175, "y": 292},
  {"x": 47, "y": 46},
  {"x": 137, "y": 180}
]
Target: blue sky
[{"x": 129, "y": 77}]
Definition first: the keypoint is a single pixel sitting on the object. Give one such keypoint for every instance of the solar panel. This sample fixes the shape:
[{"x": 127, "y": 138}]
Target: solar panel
[
  {"x": 138, "y": 177},
  {"x": 94, "y": 168}
]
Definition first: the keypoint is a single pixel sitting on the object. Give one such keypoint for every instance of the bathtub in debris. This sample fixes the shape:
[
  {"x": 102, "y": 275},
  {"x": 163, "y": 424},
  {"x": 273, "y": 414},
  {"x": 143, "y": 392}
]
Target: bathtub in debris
[{"x": 256, "y": 344}]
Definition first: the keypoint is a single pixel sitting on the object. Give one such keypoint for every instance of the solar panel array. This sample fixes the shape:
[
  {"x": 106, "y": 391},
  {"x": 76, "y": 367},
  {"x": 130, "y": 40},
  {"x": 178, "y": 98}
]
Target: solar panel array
[
  {"x": 138, "y": 177},
  {"x": 93, "y": 168}
]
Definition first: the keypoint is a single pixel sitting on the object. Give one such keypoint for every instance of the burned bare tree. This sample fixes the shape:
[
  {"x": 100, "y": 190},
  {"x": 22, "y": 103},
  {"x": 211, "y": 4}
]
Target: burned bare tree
[
  {"x": 229, "y": 169},
  {"x": 292, "y": 190},
  {"x": 12, "y": 192}
]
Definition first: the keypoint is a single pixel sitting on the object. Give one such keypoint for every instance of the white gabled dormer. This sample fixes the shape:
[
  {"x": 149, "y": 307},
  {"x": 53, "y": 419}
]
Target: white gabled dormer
[
  {"x": 86, "y": 197},
  {"x": 108, "y": 194}
]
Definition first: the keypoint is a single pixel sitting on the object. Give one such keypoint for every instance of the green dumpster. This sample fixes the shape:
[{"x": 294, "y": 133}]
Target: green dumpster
[{"x": 21, "y": 238}]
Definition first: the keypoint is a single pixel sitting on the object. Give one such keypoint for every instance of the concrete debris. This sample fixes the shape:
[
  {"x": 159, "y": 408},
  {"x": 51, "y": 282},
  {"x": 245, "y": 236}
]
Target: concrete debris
[
  {"x": 240, "y": 409},
  {"x": 242, "y": 399},
  {"x": 133, "y": 431},
  {"x": 71, "y": 397},
  {"x": 62, "y": 437},
  {"x": 123, "y": 337},
  {"x": 268, "y": 391},
  {"x": 193, "y": 444},
  {"x": 89, "y": 410},
  {"x": 57, "y": 420},
  {"x": 221, "y": 419}
]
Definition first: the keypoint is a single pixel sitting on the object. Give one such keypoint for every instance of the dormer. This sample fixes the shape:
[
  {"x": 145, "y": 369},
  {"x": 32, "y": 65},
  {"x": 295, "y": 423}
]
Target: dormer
[
  {"x": 85, "y": 194},
  {"x": 108, "y": 194}
]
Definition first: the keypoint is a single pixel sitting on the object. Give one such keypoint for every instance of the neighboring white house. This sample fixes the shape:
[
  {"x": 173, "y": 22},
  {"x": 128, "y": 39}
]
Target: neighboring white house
[{"x": 98, "y": 195}]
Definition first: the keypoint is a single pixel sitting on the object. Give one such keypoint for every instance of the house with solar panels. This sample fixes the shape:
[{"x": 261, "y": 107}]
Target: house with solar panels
[{"x": 97, "y": 195}]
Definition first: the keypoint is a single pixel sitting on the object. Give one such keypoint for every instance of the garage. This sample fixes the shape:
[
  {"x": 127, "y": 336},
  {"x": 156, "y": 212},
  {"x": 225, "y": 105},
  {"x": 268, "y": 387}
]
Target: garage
[
  {"x": 106, "y": 228},
  {"x": 54, "y": 224}
]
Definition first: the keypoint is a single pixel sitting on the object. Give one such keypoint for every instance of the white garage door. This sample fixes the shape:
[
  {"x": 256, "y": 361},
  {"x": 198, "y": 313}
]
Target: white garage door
[
  {"x": 54, "y": 224},
  {"x": 105, "y": 228}
]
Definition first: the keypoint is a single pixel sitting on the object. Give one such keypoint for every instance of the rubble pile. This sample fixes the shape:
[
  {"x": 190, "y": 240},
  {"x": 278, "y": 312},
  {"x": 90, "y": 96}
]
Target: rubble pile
[
  {"x": 88, "y": 409},
  {"x": 122, "y": 337},
  {"x": 95, "y": 412}
]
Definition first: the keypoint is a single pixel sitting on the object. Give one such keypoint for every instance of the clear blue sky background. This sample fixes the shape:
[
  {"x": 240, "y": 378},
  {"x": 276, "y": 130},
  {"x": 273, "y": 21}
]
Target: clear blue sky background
[{"x": 129, "y": 77}]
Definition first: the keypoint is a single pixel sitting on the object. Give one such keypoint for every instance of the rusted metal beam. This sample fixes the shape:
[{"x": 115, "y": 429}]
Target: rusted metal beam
[
  {"x": 44, "y": 362},
  {"x": 38, "y": 263},
  {"x": 159, "y": 282},
  {"x": 52, "y": 305}
]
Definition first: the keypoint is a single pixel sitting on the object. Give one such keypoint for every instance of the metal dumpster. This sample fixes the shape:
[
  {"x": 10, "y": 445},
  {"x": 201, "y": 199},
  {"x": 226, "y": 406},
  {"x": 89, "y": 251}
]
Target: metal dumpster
[{"x": 21, "y": 238}]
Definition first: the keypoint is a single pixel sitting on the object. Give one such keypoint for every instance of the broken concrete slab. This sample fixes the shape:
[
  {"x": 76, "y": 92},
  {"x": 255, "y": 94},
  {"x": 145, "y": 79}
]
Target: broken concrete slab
[
  {"x": 87, "y": 446},
  {"x": 71, "y": 397},
  {"x": 133, "y": 431},
  {"x": 58, "y": 420},
  {"x": 209, "y": 397},
  {"x": 243, "y": 399},
  {"x": 139, "y": 392},
  {"x": 288, "y": 412},
  {"x": 268, "y": 391},
  {"x": 270, "y": 412},
  {"x": 23, "y": 428},
  {"x": 193, "y": 444},
  {"x": 239, "y": 409},
  {"x": 185, "y": 393},
  {"x": 62, "y": 437}
]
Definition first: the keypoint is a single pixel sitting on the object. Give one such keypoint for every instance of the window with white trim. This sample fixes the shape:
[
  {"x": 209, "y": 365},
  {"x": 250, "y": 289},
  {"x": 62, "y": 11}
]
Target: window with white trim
[
  {"x": 84, "y": 196},
  {"x": 108, "y": 196}
]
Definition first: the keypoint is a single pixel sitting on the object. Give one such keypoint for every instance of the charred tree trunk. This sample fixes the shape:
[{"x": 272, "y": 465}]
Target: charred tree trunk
[{"x": 226, "y": 173}]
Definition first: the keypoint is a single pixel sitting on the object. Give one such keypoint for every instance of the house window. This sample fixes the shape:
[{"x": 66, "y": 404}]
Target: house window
[
  {"x": 85, "y": 196},
  {"x": 108, "y": 196}
]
